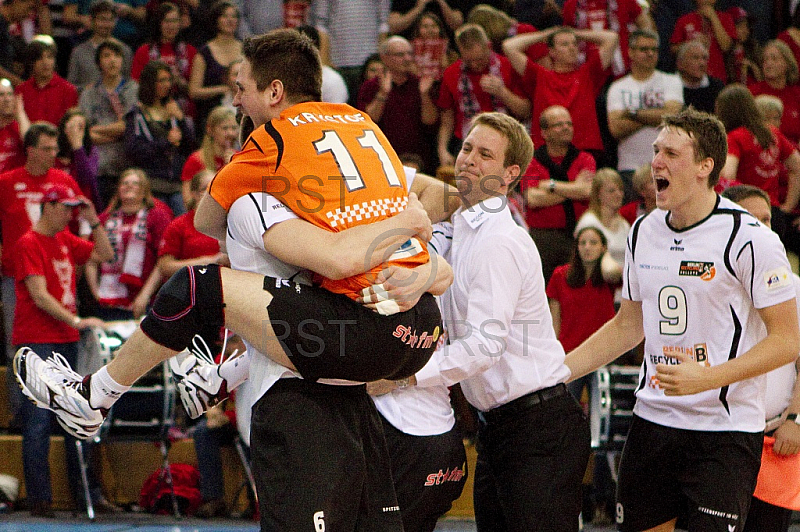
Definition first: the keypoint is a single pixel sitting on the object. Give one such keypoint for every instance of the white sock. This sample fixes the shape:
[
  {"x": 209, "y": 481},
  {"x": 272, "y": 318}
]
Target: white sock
[
  {"x": 235, "y": 370},
  {"x": 104, "y": 391}
]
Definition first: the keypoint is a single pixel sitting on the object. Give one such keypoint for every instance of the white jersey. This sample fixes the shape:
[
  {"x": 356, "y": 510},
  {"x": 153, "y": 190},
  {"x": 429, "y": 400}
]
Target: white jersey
[
  {"x": 700, "y": 288},
  {"x": 248, "y": 219},
  {"x": 628, "y": 94},
  {"x": 780, "y": 381}
]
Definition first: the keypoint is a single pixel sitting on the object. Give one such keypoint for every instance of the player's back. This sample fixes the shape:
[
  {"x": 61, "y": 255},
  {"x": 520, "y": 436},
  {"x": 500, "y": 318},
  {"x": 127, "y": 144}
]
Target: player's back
[{"x": 331, "y": 165}]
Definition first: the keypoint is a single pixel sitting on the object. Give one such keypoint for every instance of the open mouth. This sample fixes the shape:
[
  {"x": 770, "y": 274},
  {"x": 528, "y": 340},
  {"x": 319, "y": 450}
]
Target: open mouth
[{"x": 661, "y": 184}]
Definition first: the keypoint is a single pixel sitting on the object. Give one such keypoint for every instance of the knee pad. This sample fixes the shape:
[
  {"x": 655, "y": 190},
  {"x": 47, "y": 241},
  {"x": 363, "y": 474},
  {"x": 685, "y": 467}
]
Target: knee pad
[{"x": 189, "y": 303}]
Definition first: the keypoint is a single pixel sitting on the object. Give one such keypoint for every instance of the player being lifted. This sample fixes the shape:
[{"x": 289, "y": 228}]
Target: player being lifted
[
  {"x": 334, "y": 168},
  {"x": 710, "y": 291}
]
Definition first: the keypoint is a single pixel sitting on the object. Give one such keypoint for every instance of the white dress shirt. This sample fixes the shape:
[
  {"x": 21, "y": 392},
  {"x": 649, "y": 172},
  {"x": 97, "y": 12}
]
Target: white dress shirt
[
  {"x": 415, "y": 410},
  {"x": 502, "y": 341}
]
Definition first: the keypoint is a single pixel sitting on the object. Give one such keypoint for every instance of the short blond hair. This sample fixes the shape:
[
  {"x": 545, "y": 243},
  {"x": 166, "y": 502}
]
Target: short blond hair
[
  {"x": 470, "y": 35},
  {"x": 520, "y": 145}
]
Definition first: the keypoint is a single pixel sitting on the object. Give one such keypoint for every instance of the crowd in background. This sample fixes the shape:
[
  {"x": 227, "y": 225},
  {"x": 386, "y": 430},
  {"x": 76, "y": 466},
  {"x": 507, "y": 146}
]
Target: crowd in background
[{"x": 139, "y": 97}]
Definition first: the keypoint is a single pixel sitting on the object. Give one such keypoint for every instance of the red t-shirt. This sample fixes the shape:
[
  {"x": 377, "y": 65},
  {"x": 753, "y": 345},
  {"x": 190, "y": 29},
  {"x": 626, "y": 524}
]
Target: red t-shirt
[
  {"x": 758, "y": 166},
  {"x": 553, "y": 217},
  {"x": 48, "y": 103},
  {"x": 576, "y": 90},
  {"x": 20, "y": 196},
  {"x": 630, "y": 211},
  {"x": 194, "y": 163},
  {"x": 450, "y": 96},
  {"x": 583, "y": 310},
  {"x": 790, "y": 96},
  {"x": 167, "y": 55},
  {"x": 692, "y": 26},
  {"x": 595, "y": 16},
  {"x": 55, "y": 258},
  {"x": 183, "y": 241},
  {"x": 12, "y": 152}
]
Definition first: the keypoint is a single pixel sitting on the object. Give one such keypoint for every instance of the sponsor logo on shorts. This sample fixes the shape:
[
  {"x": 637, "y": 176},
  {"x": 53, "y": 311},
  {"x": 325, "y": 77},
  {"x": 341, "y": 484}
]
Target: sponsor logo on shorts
[
  {"x": 454, "y": 475},
  {"x": 777, "y": 278},
  {"x": 410, "y": 337},
  {"x": 719, "y": 513},
  {"x": 391, "y": 509},
  {"x": 704, "y": 270}
]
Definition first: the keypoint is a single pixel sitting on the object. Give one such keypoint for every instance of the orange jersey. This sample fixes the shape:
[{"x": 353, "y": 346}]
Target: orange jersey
[{"x": 331, "y": 165}]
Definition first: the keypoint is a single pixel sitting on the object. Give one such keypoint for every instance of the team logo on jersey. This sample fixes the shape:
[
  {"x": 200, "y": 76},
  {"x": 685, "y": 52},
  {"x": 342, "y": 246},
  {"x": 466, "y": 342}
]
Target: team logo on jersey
[
  {"x": 777, "y": 278},
  {"x": 704, "y": 270}
]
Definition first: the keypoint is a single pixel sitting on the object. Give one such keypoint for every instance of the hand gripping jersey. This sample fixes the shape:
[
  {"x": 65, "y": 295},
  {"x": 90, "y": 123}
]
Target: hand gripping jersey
[
  {"x": 700, "y": 288},
  {"x": 332, "y": 166}
]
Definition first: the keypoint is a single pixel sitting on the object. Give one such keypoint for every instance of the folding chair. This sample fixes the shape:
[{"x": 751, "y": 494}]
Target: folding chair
[{"x": 145, "y": 413}]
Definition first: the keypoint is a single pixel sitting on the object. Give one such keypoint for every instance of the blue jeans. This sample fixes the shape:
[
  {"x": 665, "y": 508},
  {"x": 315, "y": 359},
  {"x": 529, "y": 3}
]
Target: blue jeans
[
  {"x": 36, "y": 429},
  {"x": 207, "y": 444}
]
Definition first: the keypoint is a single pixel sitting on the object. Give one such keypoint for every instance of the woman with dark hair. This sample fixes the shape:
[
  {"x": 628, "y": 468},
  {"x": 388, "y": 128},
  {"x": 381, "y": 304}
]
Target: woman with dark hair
[
  {"x": 135, "y": 223},
  {"x": 757, "y": 153},
  {"x": 431, "y": 45},
  {"x": 780, "y": 72},
  {"x": 77, "y": 155},
  {"x": 207, "y": 83},
  {"x": 581, "y": 293},
  {"x": 373, "y": 67},
  {"x": 165, "y": 46},
  {"x": 158, "y": 137}
]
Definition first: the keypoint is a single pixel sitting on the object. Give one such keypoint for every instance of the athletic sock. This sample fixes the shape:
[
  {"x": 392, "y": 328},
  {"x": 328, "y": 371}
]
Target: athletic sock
[
  {"x": 235, "y": 370},
  {"x": 103, "y": 390}
]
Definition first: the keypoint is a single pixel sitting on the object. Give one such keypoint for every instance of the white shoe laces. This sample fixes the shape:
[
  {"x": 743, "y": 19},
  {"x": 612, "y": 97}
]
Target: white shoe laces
[{"x": 58, "y": 366}]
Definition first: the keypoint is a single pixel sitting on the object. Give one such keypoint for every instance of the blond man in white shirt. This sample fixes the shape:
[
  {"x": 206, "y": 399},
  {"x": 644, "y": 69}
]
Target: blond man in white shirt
[{"x": 533, "y": 440}]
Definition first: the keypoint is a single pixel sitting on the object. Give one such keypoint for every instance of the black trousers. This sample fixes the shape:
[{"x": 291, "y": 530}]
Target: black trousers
[
  {"x": 530, "y": 467},
  {"x": 320, "y": 460}
]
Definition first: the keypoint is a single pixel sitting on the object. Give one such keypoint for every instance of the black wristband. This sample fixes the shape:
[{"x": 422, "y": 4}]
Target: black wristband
[{"x": 94, "y": 226}]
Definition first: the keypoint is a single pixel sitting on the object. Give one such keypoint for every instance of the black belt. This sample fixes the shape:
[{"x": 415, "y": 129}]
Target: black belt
[{"x": 526, "y": 402}]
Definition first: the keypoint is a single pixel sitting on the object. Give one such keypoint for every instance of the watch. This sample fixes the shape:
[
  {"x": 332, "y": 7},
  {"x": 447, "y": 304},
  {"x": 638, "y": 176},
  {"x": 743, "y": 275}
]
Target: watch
[
  {"x": 403, "y": 383},
  {"x": 552, "y": 185},
  {"x": 793, "y": 417}
]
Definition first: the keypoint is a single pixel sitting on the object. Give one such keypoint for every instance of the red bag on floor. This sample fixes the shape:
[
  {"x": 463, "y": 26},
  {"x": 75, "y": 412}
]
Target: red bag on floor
[{"x": 156, "y": 496}]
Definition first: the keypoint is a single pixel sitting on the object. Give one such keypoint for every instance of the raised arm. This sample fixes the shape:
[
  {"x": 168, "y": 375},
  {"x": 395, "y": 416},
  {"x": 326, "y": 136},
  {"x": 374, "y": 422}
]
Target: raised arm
[
  {"x": 439, "y": 199},
  {"x": 514, "y": 47},
  {"x": 606, "y": 41}
]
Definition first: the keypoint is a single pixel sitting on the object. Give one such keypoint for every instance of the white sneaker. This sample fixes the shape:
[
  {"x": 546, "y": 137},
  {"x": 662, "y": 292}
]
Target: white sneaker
[
  {"x": 54, "y": 385},
  {"x": 197, "y": 379}
]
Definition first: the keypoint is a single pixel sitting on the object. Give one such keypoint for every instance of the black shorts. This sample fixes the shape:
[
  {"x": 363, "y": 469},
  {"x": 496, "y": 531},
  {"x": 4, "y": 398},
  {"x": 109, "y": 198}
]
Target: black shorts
[
  {"x": 330, "y": 336},
  {"x": 665, "y": 470},
  {"x": 320, "y": 460},
  {"x": 429, "y": 473}
]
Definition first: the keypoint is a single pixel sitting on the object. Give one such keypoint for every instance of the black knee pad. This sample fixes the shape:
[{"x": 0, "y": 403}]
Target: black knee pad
[{"x": 189, "y": 303}]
